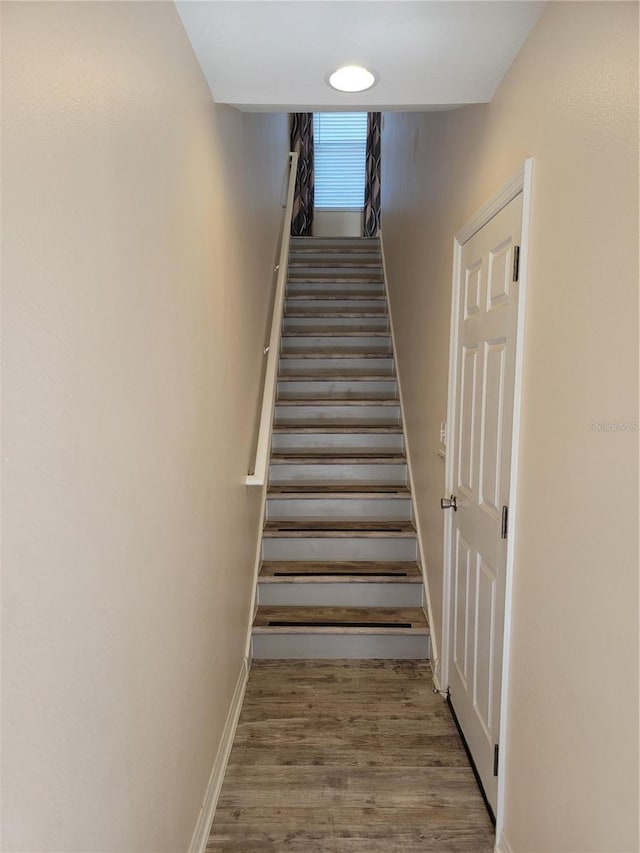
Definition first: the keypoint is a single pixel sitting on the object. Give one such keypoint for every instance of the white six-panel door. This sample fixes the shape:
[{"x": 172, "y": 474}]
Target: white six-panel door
[{"x": 484, "y": 391}]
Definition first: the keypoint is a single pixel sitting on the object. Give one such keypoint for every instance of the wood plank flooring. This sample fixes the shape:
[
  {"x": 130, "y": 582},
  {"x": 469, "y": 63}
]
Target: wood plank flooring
[{"x": 347, "y": 757}]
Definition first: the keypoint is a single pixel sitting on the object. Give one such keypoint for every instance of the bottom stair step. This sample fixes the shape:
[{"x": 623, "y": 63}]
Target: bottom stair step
[{"x": 281, "y": 632}]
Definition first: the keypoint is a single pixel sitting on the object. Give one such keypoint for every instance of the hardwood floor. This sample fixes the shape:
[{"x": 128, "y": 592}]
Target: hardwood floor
[{"x": 347, "y": 757}]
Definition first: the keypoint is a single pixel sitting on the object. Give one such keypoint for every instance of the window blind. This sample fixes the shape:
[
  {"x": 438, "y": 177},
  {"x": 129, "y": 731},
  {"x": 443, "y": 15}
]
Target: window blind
[{"x": 340, "y": 143}]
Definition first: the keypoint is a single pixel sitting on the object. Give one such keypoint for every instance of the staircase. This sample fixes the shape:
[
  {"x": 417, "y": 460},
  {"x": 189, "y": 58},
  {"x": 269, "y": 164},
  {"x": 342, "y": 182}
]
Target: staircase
[{"x": 339, "y": 575}]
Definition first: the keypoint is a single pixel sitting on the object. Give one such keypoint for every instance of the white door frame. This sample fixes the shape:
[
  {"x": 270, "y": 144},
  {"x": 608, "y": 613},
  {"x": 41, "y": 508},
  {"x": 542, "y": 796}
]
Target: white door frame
[{"x": 521, "y": 182}]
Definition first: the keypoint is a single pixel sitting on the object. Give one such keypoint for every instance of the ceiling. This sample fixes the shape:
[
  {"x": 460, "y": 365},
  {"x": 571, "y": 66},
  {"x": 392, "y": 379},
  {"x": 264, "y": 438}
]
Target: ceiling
[{"x": 274, "y": 54}]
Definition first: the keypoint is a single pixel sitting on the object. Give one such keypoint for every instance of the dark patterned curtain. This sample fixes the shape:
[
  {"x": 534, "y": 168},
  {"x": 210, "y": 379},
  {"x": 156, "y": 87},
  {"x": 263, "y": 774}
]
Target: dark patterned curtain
[
  {"x": 302, "y": 142},
  {"x": 372, "y": 176}
]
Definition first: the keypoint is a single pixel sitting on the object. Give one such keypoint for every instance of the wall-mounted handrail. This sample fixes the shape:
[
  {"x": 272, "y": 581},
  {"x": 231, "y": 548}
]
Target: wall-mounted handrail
[{"x": 259, "y": 475}]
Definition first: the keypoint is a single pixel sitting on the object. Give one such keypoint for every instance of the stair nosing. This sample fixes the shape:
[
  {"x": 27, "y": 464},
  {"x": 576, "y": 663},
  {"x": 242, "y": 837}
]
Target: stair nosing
[
  {"x": 329, "y": 333},
  {"x": 365, "y": 614},
  {"x": 268, "y": 572},
  {"x": 339, "y": 297},
  {"x": 302, "y": 579},
  {"x": 354, "y": 355},
  {"x": 342, "y": 488},
  {"x": 356, "y": 429},
  {"x": 334, "y": 403},
  {"x": 336, "y": 377},
  {"x": 337, "y": 495},
  {"x": 329, "y": 458},
  {"x": 279, "y": 530}
]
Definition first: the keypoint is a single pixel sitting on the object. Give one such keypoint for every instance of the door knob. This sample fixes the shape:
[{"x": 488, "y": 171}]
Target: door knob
[{"x": 449, "y": 503}]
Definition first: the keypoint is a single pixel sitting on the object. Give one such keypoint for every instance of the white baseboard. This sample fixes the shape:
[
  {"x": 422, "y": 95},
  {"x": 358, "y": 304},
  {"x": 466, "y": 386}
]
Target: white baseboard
[
  {"x": 205, "y": 818},
  {"x": 435, "y": 673},
  {"x": 502, "y": 844},
  {"x": 407, "y": 450}
]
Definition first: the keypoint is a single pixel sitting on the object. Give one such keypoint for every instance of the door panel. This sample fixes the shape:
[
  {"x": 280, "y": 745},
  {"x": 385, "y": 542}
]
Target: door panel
[
  {"x": 485, "y": 625},
  {"x": 500, "y": 273},
  {"x": 486, "y": 335},
  {"x": 491, "y": 428},
  {"x": 472, "y": 289},
  {"x": 468, "y": 399},
  {"x": 461, "y": 631}
]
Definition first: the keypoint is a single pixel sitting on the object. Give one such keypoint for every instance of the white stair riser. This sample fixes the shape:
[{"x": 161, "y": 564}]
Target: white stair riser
[
  {"x": 371, "y": 442},
  {"x": 319, "y": 325},
  {"x": 337, "y": 305},
  {"x": 384, "y": 473},
  {"x": 341, "y": 548},
  {"x": 336, "y": 258},
  {"x": 364, "y": 509},
  {"x": 322, "y": 389},
  {"x": 344, "y": 415},
  {"x": 304, "y": 272},
  {"x": 341, "y": 594},
  {"x": 334, "y": 646},
  {"x": 335, "y": 288}
]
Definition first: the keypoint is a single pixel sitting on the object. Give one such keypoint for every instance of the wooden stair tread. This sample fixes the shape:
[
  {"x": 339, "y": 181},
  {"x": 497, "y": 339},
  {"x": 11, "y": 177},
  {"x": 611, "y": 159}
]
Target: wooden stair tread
[
  {"x": 339, "y": 490},
  {"x": 339, "y": 401},
  {"x": 337, "y": 494},
  {"x": 303, "y": 252},
  {"x": 357, "y": 429},
  {"x": 338, "y": 243},
  {"x": 332, "y": 266},
  {"x": 315, "y": 293},
  {"x": 351, "y": 354},
  {"x": 396, "y": 620},
  {"x": 338, "y": 297},
  {"x": 295, "y": 351},
  {"x": 344, "y": 571},
  {"x": 329, "y": 255},
  {"x": 311, "y": 528},
  {"x": 349, "y": 259},
  {"x": 350, "y": 455},
  {"x": 325, "y": 315},
  {"x": 335, "y": 399},
  {"x": 337, "y": 376},
  {"x": 345, "y": 486},
  {"x": 337, "y": 424},
  {"x": 334, "y": 331},
  {"x": 311, "y": 279}
]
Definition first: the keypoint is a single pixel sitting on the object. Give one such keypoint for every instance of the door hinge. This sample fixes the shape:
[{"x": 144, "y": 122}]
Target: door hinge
[
  {"x": 496, "y": 752},
  {"x": 505, "y": 522},
  {"x": 516, "y": 263}
]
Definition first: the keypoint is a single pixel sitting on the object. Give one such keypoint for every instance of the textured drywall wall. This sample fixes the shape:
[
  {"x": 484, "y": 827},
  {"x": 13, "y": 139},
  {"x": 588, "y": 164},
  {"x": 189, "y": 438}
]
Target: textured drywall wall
[
  {"x": 337, "y": 223},
  {"x": 140, "y": 228},
  {"x": 570, "y": 100}
]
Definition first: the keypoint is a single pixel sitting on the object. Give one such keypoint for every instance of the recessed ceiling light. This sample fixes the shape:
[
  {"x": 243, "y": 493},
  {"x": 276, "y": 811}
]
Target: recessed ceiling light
[{"x": 352, "y": 78}]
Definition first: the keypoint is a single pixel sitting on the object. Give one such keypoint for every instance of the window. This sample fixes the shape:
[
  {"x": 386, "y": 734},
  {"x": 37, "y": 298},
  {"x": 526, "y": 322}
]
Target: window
[{"x": 340, "y": 143}]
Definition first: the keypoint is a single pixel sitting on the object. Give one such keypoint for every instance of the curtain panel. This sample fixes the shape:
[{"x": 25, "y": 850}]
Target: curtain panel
[
  {"x": 303, "y": 200},
  {"x": 371, "y": 216}
]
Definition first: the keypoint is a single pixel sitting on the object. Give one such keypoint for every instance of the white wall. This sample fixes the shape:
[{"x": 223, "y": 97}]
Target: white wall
[
  {"x": 140, "y": 226},
  {"x": 570, "y": 100},
  {"x": 337, "y": 223}
]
